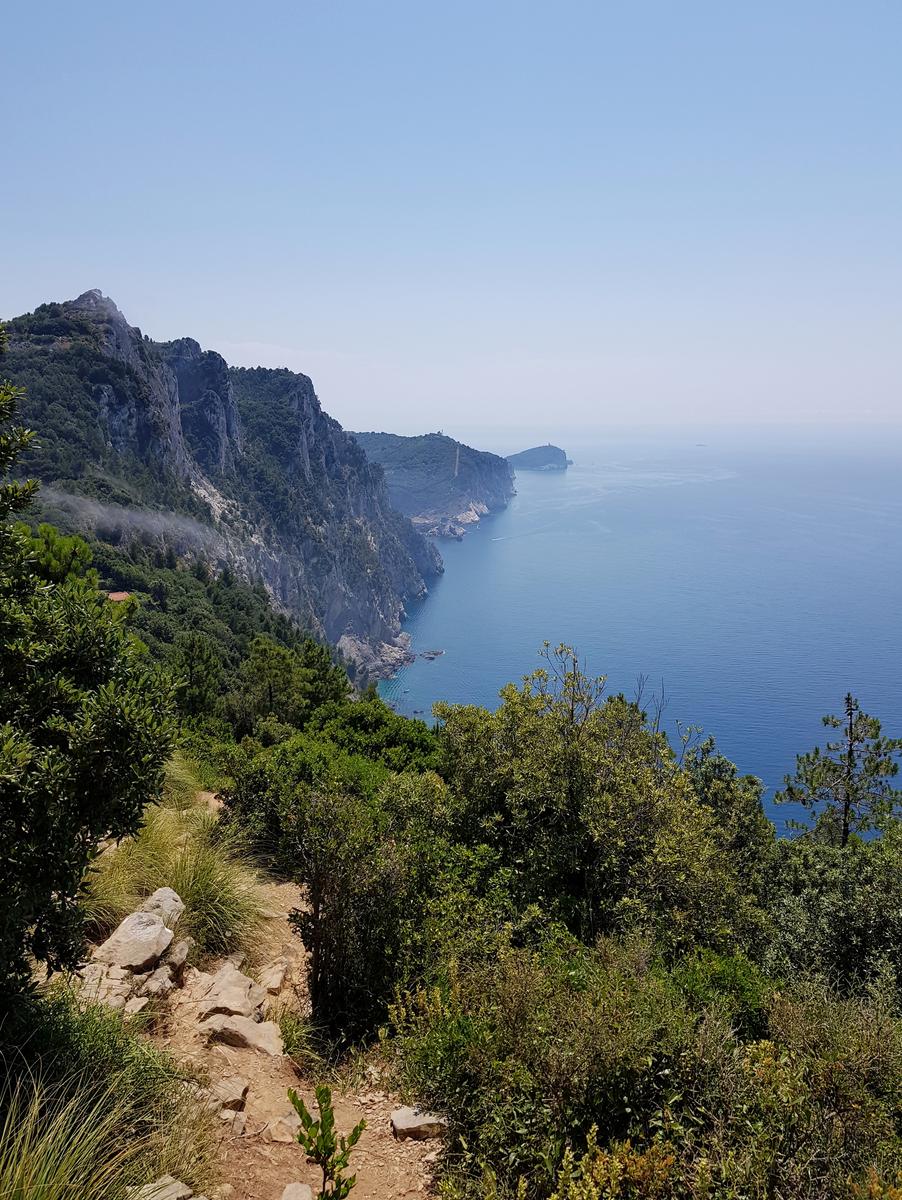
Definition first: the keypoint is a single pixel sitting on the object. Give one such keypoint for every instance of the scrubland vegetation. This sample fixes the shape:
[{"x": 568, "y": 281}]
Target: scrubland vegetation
[{"x": 585, "y": 946}]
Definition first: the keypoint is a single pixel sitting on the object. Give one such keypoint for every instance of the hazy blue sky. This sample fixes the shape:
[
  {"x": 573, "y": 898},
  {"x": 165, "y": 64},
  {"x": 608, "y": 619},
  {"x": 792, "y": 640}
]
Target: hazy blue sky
[{"x": 454, "y": 214}]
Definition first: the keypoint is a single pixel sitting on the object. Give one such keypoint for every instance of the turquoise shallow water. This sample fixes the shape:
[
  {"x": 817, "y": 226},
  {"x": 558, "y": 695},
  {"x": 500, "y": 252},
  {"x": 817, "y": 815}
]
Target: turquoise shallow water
[{"x": 757, "y": 576}]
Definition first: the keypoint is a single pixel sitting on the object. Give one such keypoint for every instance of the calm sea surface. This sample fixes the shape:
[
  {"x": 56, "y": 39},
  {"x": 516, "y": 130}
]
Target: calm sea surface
[{"x": 757, "y": 576}]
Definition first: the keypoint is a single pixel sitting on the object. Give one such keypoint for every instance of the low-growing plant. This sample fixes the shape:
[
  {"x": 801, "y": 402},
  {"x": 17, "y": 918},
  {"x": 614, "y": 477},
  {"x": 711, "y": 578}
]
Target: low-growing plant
[
  {"x": 298, "y": 1039},
  {"x": 330, "y": 1151}
]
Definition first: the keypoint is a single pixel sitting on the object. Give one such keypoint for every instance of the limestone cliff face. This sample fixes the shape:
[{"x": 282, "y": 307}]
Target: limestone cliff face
[
  {"x": 443, "y": 485},
  {"x": 279, "y": 490},
  {"x": 209, "y": 417}
]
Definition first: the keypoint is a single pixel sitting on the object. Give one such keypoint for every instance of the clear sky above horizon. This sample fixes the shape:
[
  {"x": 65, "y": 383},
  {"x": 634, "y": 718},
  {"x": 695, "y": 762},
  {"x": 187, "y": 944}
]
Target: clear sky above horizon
[{"x": 454, "y": 215}]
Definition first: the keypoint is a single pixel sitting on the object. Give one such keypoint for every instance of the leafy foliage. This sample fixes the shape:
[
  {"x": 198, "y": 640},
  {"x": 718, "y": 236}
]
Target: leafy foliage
[
  {"x": 847, "y": 786},
  {"x": 85, "y": 727},
  {"x": 330, "y": 1151}
]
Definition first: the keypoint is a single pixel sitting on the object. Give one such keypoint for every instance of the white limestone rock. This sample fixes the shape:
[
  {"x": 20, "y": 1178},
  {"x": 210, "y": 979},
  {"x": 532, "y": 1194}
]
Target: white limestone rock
[
  {"x": 164, "y": 1188},
  {"x": 407, "y": 1122},
  {"x": 231, "y": 1092},
  {"x": 243, "y": 1032},
  {"x": 137, "y": 943},
  {"x": 298, "y": 1191},
  {"x": 283, "y": 1128},
  {"x": 232, "y": 994},
  {"x": 272, "y": 976},
  {"x": 167, "y": 905}
]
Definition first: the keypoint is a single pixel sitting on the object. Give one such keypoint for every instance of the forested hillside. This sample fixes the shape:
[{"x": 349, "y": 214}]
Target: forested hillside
[{"x": 237, "y": 468}]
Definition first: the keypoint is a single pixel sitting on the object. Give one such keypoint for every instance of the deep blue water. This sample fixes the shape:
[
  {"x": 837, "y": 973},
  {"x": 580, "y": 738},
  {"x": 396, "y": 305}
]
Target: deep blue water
[{"x": 758, "y": 576}]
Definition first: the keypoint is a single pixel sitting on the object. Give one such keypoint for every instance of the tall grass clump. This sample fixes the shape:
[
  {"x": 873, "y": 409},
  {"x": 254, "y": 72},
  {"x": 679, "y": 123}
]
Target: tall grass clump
[
  {"x": 86, "y": 1098},
  {"x": 55, "y": 1146},
  {"x": 220, "y": 889},
  {"x": 181, "y": 846}
]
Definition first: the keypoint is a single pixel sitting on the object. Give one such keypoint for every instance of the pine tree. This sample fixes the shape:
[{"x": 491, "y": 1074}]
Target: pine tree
[{"x": 847, "y": 785}]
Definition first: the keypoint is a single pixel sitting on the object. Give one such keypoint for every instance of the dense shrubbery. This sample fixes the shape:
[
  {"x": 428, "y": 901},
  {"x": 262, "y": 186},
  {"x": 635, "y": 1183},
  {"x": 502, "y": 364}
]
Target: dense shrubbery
[
  {"x": 85, "y": 727},
  {"x": 566, "y": 927}
]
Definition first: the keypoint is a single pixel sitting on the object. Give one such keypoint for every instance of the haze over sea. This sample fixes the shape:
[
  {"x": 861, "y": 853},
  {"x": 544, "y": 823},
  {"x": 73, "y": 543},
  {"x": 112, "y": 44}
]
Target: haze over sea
[{"x": 757, "y": 574}]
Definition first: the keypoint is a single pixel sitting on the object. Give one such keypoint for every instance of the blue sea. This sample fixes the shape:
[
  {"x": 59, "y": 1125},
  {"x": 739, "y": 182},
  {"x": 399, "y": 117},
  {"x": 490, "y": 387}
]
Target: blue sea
[{"x": 753, "y": 577}]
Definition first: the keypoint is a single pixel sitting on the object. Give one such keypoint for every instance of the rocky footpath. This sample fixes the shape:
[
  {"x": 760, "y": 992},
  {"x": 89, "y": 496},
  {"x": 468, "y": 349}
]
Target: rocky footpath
[{"x": 221, "y": 1023}]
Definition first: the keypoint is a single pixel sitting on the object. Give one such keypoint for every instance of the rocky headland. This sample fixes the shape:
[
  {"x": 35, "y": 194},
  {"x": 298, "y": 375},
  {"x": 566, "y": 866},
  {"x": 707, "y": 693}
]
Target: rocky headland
[
  {"x": 442, "y": 485},
  {"x": 540, "y": 458}
]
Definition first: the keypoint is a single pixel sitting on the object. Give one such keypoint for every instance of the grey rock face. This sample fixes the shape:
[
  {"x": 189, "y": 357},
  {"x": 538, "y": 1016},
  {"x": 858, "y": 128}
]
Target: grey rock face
[
  {"x": 268, "y": 483},
  {"x": 209, "y": 418}
]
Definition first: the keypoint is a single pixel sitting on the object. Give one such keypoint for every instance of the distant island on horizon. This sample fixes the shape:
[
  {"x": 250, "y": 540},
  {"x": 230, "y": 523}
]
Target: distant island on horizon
[{"x": 540, "y": 458}]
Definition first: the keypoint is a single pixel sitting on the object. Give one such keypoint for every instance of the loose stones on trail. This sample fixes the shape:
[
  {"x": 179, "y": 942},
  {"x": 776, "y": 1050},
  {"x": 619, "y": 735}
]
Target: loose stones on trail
[
  {"x": 282, "y": 1129},
  {"x": 243, "y": 1032},
  {"x": 231, "y": 994},
  {"x": 298, "y": 1191},
  {"x": 413, "y": 1123},
  {"x": 230, "y": 1092},
  {"x": 165, "y": 1188},
  {"x": 272, "y": 976}
]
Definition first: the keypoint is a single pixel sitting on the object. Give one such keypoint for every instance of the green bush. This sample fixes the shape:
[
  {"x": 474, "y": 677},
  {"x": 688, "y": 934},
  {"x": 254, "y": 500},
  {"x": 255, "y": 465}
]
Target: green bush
[{"x": 85, "y": 727}]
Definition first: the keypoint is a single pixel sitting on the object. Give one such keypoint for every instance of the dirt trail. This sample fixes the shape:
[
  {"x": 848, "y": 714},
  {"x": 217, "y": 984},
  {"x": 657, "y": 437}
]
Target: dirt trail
[{"x": 256, "y": 1166}]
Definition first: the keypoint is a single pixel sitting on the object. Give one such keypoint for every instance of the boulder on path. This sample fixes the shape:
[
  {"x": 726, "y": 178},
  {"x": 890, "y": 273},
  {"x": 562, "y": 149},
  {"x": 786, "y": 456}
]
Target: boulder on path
[
  {"x": 272, "y": 976},
  {"x": 167, "y": 905},
  {"x": 298, "y": 1191},
  {"x": 282, "y": 1129},
  {"x": 407, "y": 1122},
  {"x": 165, "y": 1188},
  {"x": 230, "y": 1092},
  {"x": 232, "y": 994},
  {"x": 137, "y": 943},
  {"x": 243, "y": 1032},
  {"x": 106, "y": 984},
  {"x": 177, "y": 954},
  {"x": 159, "y": 982}
]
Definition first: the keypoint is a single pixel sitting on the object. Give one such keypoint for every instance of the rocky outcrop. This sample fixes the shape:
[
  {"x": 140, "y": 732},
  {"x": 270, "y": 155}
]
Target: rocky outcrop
[
  {"x": 209, "y": 416},
  {"x": 442, "y": 485},
  {"x": 272, "y": 487}
]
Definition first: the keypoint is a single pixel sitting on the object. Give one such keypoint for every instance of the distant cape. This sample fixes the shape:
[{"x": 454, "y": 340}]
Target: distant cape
[{"x": 540, "y": 458}]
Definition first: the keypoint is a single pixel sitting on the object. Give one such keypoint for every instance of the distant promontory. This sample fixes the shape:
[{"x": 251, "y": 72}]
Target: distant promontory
[
  {"x": 540, "y": 458},
  {"x": 442, "y": 485}
]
